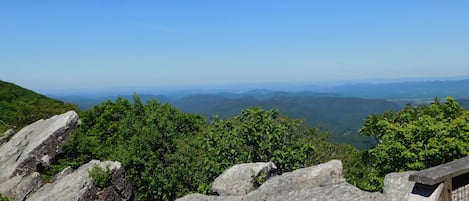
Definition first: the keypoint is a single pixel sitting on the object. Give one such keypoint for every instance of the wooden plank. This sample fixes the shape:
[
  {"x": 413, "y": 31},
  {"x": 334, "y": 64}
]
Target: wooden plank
[{"x": 440, "y": 173}]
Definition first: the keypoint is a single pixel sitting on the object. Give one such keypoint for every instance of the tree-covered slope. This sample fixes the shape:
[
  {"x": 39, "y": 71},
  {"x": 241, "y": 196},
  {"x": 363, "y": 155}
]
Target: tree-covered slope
[
  {"x": 20, "y": 106},
  {"x": 464, "y": 103}
]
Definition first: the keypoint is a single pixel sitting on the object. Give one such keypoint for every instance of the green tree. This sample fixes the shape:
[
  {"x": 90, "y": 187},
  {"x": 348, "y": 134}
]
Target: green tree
[
  {"x": 150, "y": 140},
  {"x": 416, "y": 138},
  {"x": 264, "y": 135},
  {"x": 152, "y": 159}
]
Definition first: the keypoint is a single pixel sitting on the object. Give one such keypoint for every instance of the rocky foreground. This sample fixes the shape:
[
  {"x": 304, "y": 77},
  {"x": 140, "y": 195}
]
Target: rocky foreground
[
  {"x": 24, "y": 154},
  {"x": 321, "y": 182}
]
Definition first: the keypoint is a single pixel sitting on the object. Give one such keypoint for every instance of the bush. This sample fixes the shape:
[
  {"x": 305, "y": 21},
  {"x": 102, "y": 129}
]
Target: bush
[
  {"x": 101, "y": 177},
  {"x": 258, "y": 135},
  {"x": 4, "y": 198},
  {"x": 414, "y": 138}
]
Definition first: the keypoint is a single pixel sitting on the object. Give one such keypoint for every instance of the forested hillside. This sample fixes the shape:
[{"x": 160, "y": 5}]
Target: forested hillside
[
  {"x": 464, "y": 103},
  {"x": 331, "y": 108},
  {"x": 341, "y": 116},
  {"x": 20, "y": 106}
]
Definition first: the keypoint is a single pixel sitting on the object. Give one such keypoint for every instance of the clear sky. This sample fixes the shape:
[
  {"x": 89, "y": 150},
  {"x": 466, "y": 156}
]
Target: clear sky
[{"x": 108, "y": 43}]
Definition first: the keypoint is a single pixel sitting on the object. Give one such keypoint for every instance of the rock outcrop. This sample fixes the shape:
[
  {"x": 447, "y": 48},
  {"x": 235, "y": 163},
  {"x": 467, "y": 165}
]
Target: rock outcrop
[
  {"x": 78, "y": 185},
  {"x": 242, "y": 178},
  {"x": 33, "y": 146},
  {"x": 31, "y": 149},
  {"x": 24, "y": 154},
  {"x": 321, "y": 182}
]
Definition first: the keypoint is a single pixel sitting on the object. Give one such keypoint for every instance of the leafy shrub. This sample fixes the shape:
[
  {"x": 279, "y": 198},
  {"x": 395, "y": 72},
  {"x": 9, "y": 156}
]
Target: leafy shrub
[
  {"x": 414, "y": 138},
  {"x": 258, "y": 135},
  {"x": 4, "y": 198},
  {"x": 258, "y": 180},
  {"x": 158, "y": 146},
  {"x": 101, "y": 177}
]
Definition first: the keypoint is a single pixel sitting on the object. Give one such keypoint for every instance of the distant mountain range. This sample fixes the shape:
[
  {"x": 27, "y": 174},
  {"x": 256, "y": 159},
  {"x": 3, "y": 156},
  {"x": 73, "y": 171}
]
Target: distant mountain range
[
  {"x": 339, "y": 109},
  {"x": 407, "y": 90}
]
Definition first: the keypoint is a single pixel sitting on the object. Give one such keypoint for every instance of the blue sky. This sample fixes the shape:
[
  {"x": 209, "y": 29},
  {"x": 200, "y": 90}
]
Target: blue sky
[{"x": 112, "y": 43}]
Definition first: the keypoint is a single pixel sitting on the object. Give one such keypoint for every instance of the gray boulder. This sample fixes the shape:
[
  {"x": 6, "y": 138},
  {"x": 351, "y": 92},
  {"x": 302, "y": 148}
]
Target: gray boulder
[
  {"x": 397, "y": 186},
  {"x": 78, "y": 185},
  {"x": 34, "y": 145},
  {"x": 310, "y": 177},
  {"x": 31, "y": 149},
  {"x": 243, "y": 178},
  {"x": 321, "y": 182}
]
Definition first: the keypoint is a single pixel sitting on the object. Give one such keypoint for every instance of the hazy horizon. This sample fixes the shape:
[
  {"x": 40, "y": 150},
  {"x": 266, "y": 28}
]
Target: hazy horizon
[
  {"x": 239, "y": 88},
  {"x": 53, "y": 45}
]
